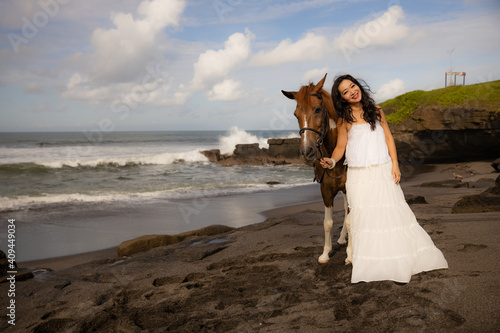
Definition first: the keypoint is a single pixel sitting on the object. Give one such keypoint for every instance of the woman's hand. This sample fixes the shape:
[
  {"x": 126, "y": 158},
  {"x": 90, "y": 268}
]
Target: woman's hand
[
  {"x": 396, "y": 174},
  {"x": 327, "y": 163}
]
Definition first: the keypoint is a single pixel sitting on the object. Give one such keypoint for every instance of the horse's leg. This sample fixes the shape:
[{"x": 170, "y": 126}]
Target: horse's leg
[
  {"x": 328, "y": 195},
  {"x": 346, "y": 229},
  {"x": 343, "y": 233},
  {"x": 327, "y": 225}
]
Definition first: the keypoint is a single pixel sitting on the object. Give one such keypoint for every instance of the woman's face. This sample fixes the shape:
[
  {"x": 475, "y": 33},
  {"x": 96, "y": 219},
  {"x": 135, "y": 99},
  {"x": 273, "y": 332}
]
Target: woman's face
[{"x": 349, "y": 91}]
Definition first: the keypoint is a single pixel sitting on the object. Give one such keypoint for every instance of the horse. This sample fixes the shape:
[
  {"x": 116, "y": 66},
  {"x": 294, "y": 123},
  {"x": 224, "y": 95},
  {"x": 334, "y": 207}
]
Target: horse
[{"x": 318, "y": 131}]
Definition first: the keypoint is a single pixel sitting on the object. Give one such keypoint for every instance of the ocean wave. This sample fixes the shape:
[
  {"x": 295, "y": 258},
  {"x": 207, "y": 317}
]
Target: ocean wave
[
  {"x": 193, "y": 156},
  {"x": 23, "y": 168},
  {"x": 228, "y": 143},
  {"x": 185, "y": 193}
]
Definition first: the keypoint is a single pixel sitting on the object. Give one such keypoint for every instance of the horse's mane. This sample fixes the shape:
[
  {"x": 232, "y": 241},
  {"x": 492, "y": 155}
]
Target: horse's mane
[{"x": 303, "y": 98}]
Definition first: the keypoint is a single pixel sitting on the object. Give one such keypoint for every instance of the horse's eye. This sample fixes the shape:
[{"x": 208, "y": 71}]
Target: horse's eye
[{"x": 317, "y": 109}]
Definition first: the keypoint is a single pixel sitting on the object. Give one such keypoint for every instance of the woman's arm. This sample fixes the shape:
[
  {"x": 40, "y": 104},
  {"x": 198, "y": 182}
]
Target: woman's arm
[
  {"x": 389, "y": 140},
  {"x": 339, "y": 150}
]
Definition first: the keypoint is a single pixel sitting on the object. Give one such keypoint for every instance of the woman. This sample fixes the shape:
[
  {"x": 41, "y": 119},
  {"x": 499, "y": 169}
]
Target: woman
[{"x": 387, "y": 241}]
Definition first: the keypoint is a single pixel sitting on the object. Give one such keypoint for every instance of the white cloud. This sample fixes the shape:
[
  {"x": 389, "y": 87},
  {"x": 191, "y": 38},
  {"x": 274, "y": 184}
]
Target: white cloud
[
  {"x": 123, "y": 52},
  {"x": 213, "y": 65},
  {"x": 75, "y": 80},
  {"x": 389, "y": 90},
  {"x": 314, "y": 75},
  {"x": 227, "y": 90},
  {"x": 384, "y": 30},
  {"x": 122, "y": 55},
  {"x": 310, "y": 47}
]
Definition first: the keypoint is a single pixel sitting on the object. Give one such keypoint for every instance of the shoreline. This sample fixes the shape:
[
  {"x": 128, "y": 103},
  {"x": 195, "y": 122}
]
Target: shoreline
[
  {"x": 63, "y": 262},
  {"x": 78, "y": 229},
  {"x": 423, "y": 173}
]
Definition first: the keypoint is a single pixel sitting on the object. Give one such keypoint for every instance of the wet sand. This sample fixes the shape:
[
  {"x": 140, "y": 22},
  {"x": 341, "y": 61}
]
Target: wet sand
[{"x": 265, "y": 277}]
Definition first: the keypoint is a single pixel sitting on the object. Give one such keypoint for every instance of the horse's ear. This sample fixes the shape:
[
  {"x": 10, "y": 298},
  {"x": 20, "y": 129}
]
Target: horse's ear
[
  {"x": 320, "y": 84},
  {"x": 289, "y": 94}
]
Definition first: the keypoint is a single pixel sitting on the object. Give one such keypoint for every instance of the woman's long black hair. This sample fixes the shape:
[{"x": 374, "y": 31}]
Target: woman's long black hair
[{"x": 371, "y": 113}]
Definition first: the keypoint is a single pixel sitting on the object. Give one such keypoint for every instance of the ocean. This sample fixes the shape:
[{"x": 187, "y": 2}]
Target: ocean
[{"x": 78, "y": 192}]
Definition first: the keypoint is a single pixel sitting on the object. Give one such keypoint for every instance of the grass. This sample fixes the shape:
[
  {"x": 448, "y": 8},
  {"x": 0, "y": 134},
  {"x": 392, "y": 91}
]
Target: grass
[{"x": 479, "y": 96}]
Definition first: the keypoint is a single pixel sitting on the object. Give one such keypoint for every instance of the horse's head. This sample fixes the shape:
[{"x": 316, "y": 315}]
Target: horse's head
[{"x": 316, "y": 116}]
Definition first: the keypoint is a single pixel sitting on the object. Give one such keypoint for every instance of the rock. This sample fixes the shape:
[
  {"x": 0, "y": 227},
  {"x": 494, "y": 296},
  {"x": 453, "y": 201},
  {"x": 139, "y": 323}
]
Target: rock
[
  {"x": 23, "y": 276},
  {"x": 437, "y": 134},
  {"x": 488, "y": 201},
  {"x": 280, "y": 151},
  {"x": 453, "y": 183},
  {"x": 213, "y": 155},
  {"x": 415, "y": 199},
  {"x": 207, "y": 231},
  {"x": 4, "y": 264},
  {"x": 482, "y": 183},
  {"x": 496, "y": 165},
  {"x": 147, "y": 242},
  {"x": 288, "y": 148},
  {"x": 247, "y": 150},
  {"x": 20, "y": 276}
]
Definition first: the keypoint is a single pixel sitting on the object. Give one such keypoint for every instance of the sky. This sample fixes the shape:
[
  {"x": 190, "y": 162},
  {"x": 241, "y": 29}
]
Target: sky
[{"x": 122, "y": 65}]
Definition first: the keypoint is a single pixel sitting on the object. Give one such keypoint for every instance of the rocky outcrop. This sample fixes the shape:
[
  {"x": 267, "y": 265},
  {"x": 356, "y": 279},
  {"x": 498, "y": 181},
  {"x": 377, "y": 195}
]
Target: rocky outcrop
[
  {"x": 433, "y": 134},
  {"x": 488, "y": 201},
  {"x": 147, "y": 242},
  {"x": 437, "y": 134},
  {"x": 280, "y": 151},
  {"x": 496, "y": 165}
]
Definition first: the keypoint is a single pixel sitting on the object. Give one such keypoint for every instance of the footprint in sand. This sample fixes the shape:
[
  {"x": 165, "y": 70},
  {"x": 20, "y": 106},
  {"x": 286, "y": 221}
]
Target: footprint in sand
[{"x": 472, "y": 247}]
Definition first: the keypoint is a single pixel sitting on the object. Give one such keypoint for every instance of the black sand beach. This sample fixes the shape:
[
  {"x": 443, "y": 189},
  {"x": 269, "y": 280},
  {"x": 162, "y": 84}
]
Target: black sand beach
[{"x": 265, "y": 277}]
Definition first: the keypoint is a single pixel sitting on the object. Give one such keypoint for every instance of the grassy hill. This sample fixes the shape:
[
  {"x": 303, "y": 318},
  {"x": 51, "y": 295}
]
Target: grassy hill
[{"x": 484, "y": 96}]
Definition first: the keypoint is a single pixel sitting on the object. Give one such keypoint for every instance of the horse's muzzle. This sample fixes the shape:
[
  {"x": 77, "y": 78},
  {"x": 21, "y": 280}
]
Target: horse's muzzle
[{"x": 309, "y": 153}]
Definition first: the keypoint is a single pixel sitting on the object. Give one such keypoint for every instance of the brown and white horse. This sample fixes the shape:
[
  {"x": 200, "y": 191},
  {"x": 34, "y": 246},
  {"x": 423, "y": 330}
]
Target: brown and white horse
[{"x": 318, "y": 130}]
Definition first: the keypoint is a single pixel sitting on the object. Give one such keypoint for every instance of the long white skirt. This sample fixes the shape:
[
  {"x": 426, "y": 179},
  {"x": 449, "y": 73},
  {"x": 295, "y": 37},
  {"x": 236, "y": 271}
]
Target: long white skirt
[{"x": 387, "y": 241}]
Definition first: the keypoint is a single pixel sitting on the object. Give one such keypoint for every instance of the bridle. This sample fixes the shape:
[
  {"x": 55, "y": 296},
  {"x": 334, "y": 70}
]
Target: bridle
[
  {"x": 322, "y": 132},
  {"x": 319, "y": 143}
]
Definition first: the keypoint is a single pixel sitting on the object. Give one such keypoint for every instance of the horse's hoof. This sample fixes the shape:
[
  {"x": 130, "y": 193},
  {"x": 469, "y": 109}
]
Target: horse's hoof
[{"x": 324, "y": 258}]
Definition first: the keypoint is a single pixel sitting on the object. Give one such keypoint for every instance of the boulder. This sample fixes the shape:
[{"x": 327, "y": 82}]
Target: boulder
[
  {"x": 147, "y": 242},
  {"x": 213, "y": 155},
  {"x": 496, "y": 165},
  {"x": 453, "y": 183},
  {"x": 288, "y": 148},
  {"x": 415, "y": 199},
  {"x": 280, "y": 151},
  {"x": 248, "y": 150},
  {"x": 4, "y": 264},
  {"x": 487, "y": 201}
]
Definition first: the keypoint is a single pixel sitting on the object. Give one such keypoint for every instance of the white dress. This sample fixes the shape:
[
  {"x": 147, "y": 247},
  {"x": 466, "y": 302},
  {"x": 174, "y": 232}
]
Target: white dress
[{"x": 387, "y": 241}]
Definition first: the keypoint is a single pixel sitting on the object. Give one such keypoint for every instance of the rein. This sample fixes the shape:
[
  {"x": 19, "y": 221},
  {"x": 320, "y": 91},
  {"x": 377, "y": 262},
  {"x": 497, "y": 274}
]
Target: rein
[{"x": 319, "y": 142}]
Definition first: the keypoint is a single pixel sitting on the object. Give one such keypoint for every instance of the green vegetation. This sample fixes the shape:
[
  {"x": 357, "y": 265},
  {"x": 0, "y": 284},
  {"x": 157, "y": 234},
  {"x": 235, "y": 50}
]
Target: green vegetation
[{"x": 480, "y": 96}]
